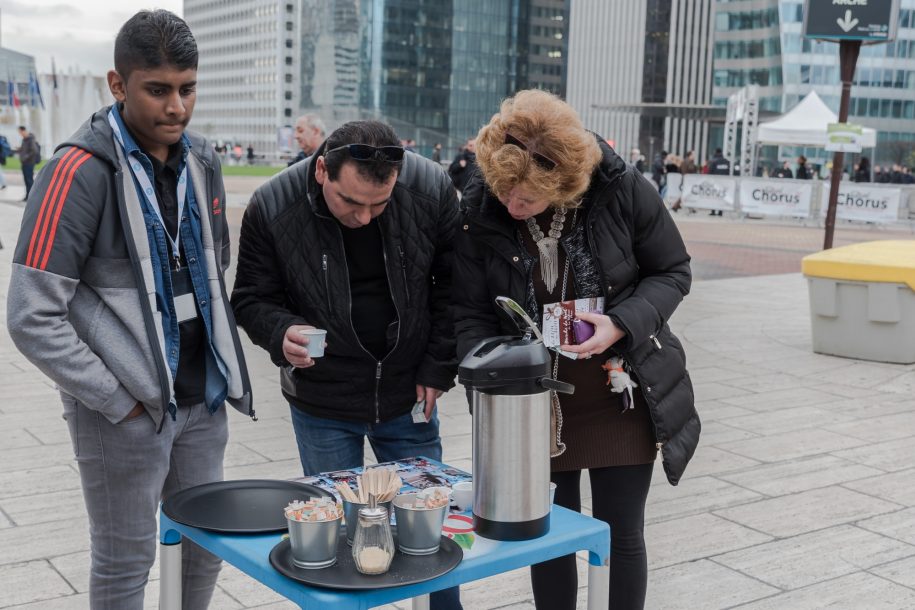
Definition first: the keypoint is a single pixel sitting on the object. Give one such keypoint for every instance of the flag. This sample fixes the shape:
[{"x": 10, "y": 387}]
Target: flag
[
  {"x": 35, "y": 97},
  {"x": 11, "y": 90},
  {"x": 54, "y": 78}
]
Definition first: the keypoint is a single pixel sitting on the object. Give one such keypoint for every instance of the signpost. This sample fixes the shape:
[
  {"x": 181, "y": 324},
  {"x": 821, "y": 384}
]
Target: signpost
[
  {"x": 850, "y": 23},
  {"x": 844, "y": 137},
  {"x": 864, "y": 20}
]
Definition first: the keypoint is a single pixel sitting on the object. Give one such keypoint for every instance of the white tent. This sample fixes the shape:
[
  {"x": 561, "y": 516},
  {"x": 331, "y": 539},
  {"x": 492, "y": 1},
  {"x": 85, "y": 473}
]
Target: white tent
[{"x": 805, "y": 125}]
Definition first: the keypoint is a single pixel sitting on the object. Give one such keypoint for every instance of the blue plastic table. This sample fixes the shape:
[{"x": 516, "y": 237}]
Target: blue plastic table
[{"x": 569, "y": 532}]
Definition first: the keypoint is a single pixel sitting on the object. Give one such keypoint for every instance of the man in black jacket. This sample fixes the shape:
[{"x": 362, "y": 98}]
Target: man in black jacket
[
  {"x": 356, "y": 240},
  {"x": 29, "y": 156},
  {"x": 464, "y": 165}
]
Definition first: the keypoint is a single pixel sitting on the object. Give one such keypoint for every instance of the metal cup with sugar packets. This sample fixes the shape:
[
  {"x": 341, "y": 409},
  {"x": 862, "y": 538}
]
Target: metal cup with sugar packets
[{"x": 314, "y": 527}]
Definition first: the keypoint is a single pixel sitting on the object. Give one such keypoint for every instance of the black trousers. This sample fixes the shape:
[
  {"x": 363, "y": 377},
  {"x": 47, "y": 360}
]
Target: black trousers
[{"x": 618, "y": 495}]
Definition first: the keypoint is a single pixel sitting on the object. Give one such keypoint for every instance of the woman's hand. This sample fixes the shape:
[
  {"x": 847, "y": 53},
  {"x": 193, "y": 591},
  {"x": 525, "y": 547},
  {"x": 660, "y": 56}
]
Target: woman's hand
[{"x": 606, "y": 333}]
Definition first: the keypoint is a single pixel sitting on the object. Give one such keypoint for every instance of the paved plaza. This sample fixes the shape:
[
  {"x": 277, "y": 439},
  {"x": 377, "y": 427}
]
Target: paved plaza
[{"x": 801, "y": 494}]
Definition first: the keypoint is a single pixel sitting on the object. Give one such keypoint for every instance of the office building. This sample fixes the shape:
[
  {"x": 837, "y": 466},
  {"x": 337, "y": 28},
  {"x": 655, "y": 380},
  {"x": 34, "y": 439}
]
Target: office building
[
  {"x": 19, "y": 103},
  {"x": 247, "y": 70},
  {"x": 760, "y": 42},
  {"x": 639, "y": 72},
  {"x": 436, "y": 71}
]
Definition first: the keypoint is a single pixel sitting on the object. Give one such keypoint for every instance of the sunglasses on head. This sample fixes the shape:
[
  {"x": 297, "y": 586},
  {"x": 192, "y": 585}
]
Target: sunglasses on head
[
  {"x": 367, "y": 152},
  {"x": 539, "y": 158}
]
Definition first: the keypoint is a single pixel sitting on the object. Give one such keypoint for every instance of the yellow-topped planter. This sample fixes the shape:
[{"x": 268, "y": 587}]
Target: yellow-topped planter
[
  {"x": 862, "y": 300},
  {"x": 870, "y": 261}
]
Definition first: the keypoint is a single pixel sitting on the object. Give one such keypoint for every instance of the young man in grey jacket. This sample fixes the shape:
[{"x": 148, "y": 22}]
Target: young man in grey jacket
[{"x": 117, "y": 295}]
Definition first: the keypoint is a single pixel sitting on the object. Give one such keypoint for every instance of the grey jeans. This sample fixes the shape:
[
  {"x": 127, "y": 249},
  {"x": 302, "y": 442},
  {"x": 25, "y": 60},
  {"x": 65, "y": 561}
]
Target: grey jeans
[{"x": 126, "y": 469}]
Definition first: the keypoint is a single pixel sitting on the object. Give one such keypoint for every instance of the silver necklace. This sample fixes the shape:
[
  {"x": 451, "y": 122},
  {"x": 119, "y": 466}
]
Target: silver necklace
[{"x": 548, "y": 246}]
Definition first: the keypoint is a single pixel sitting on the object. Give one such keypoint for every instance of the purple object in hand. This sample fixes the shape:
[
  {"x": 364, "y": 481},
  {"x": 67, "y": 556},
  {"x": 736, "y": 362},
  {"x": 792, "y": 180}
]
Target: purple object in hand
[{"x": 582, "y": 331}]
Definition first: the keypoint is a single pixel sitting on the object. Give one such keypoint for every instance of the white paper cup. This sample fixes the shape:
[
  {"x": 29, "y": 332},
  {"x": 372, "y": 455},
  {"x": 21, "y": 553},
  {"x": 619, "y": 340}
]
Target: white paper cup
[
  {"x": 316, "y": 337},
  {"x": 462, "y": 495},
  {"x": 552, "y": 492}
]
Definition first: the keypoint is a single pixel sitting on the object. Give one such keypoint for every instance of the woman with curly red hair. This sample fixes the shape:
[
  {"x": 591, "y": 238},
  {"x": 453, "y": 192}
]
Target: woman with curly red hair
[{"x": 554, "y": 214}]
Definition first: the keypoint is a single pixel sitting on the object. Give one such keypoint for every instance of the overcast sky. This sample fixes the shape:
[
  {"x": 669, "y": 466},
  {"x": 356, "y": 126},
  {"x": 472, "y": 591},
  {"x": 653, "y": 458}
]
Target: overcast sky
[{"x": 77, "y": 34}]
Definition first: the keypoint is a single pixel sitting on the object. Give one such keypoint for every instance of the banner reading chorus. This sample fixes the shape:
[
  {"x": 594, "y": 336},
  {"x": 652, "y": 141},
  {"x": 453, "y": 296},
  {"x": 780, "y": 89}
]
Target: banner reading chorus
[
  {"x": 709, "y": 192},
  {"x": 860, "y": 201},
  {"x": 776, "y": 197}
]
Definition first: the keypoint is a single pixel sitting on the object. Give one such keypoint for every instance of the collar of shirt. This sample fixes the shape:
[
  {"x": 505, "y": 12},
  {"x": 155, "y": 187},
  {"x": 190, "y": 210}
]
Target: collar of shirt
[
  {"x": 173, "y": 162},
  {"x": 132, "y": 148}
]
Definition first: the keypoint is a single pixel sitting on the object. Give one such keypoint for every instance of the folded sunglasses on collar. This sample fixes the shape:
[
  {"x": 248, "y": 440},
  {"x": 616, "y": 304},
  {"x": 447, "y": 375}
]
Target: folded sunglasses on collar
[
  {"x": 367, "y": 152},
  {"x": 539, "y": 158}
]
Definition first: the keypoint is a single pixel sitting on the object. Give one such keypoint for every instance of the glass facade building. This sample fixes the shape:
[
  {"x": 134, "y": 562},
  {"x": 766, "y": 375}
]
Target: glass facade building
[
  {"x": 18, "y": 69},
  {"x": 436, "y": 71},
  {"x": 760, "y": 42}
]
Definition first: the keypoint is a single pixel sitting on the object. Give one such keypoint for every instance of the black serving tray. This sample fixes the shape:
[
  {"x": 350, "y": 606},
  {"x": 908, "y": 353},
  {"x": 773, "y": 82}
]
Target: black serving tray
[
  {"x": 404, "y": 570},
  {"x": 249, "y": 506}
]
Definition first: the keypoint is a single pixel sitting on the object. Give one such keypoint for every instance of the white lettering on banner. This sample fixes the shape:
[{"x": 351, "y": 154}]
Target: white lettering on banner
[
  {"x": 709, "y": 192},
  {"x": 776, "y": 197},
  {"x": 867, "y": 203},
  {"x": 850, "y": 2}
]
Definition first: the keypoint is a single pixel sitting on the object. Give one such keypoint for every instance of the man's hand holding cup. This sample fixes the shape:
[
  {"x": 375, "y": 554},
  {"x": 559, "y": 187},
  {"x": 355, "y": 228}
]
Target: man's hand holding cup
[{"x": 302, "y": 344}]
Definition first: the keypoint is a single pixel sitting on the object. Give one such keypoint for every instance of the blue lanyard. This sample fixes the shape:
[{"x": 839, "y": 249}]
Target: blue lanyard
[{"x": 148, "y": 190}]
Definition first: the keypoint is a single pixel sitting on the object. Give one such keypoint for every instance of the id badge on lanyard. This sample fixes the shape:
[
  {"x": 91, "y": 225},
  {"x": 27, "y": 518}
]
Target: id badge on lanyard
[
  {"x": 183, "y": 293},
  {"x": 182, "y": 287}
]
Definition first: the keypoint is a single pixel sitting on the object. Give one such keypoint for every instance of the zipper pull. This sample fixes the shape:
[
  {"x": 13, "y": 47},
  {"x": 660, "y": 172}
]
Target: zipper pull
[
  {"x": 324, "y": 262},
  {"x": 378, "y": 371},
  {"x": 656, "y": 342}
]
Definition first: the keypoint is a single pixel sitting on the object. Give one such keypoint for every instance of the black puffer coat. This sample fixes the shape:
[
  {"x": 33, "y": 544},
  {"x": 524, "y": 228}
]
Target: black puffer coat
[
  {"x": 292, "y": 270},
  {"x": 644, "y": 271}
]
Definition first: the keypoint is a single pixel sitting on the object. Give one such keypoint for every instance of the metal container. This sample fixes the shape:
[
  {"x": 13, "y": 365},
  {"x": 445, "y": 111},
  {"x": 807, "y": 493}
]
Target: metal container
[
  {"x": 419, "y": 530},
  {"x": 314, "y": 543},
  {"x": 510, "y": 382},
  {"x": 351, "y": 516}
]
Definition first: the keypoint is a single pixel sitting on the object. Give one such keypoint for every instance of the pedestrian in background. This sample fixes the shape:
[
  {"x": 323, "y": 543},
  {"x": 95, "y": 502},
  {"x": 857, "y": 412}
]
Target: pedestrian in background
[
  {"x": 464, "y": 165},
  {"x": 863, "y": 171},
  {"x": 29, "y": 157},
  {"x": 5, "y": 152},
  {"x": 784, "y": 171},
  {"x": 718, "y": 165},
  {"x": 309, "y": 133},
  {"x": 803, "y": 170},
  {"x": 437, "y": 153},
  {"x": 659, "y": 170},
  {"x": 543, "y": 176},
  {"x": 637, "y": 160},
  {"x": 688, "y": 165}
]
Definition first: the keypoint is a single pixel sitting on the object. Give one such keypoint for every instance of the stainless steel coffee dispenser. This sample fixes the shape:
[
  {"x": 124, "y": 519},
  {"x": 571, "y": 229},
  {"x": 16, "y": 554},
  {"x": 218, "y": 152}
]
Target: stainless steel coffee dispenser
[{"x": 509, "y": 377}]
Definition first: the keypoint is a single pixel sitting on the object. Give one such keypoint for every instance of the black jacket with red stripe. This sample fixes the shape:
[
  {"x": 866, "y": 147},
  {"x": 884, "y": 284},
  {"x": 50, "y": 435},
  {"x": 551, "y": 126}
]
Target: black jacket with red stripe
[{"x": 82, "y": 305}]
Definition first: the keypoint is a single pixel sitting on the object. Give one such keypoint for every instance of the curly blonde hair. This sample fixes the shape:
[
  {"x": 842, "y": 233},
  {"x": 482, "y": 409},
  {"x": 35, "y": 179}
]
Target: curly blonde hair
[{"x": 549, "y": 126}]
